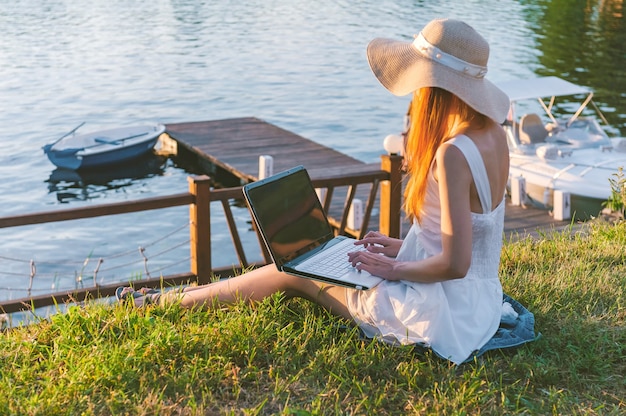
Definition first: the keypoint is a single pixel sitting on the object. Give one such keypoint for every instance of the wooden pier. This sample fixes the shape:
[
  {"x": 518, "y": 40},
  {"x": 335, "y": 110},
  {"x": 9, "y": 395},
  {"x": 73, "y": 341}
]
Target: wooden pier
[{"x": 234, "y": 145}]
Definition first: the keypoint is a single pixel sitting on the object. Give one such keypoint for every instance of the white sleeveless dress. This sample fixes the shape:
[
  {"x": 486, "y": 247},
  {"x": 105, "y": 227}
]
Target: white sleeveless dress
[{"x": 456, "y": 317}]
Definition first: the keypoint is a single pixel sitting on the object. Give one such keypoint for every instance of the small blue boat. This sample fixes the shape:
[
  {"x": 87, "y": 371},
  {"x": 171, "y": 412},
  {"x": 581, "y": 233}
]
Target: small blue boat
[{"x": 102, "y": 147}]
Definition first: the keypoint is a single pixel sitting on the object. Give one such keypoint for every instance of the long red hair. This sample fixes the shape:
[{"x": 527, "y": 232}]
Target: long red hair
[{"x": 436, "y": 116}]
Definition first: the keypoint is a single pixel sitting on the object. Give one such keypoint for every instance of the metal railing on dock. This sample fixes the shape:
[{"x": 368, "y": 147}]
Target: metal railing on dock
[{"x": 384, "y": 179}]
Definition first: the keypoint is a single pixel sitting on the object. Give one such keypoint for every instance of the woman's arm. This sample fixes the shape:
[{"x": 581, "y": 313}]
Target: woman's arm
[{"x": 454, "y": 178}]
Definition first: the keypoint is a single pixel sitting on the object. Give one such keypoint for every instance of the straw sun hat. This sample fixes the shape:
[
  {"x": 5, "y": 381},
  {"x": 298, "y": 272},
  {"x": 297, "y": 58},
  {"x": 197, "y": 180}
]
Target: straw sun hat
[{"x": 448, "y": 54}]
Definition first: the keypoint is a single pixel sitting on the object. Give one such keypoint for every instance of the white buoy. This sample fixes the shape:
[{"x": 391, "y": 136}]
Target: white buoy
[
  {"x": 562, "y": 209},
  {"x": 355, "y": 215},
  {"x": 518, "y": 191},
  {"x": 266, "y": 166}
]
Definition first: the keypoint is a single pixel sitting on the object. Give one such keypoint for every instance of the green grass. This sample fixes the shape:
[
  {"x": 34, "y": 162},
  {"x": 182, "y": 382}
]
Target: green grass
[{"x": 291, "y": 357}]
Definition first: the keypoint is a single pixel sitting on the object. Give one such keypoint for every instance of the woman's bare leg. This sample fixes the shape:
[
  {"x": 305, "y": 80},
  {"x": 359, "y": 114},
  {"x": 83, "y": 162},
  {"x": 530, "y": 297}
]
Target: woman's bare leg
[{"x": 259, "y": 284}]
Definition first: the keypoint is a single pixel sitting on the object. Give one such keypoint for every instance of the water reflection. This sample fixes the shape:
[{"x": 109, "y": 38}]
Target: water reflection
[
  {"x": 583, "y": 42},
  {"x": 82, "y": 185}
]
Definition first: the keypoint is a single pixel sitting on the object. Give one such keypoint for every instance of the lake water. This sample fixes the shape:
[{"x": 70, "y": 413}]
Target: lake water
[{"x": 298, "y": 64}]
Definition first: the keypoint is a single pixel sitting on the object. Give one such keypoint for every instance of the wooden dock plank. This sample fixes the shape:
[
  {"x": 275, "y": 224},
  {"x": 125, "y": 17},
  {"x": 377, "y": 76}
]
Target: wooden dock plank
[
  {"x": 522, "y": 221},
  {"x": 236, "y": 144}
]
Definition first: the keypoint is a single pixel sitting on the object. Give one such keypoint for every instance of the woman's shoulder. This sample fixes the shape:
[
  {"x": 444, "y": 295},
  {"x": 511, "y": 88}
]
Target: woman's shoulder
[
  {"x": 452, "y": 151},
  {"x": 452, "y": 159}
]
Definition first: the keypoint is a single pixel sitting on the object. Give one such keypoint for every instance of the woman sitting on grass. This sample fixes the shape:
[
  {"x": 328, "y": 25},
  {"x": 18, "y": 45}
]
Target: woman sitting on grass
[{"x": 441, "y": 287}]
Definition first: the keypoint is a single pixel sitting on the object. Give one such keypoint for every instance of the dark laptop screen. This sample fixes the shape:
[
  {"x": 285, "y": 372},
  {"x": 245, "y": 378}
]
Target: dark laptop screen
[{"x": 289, "y": 214}]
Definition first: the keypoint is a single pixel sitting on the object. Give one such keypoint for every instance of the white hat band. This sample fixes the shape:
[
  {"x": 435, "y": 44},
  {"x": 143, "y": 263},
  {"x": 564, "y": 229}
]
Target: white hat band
[{"x": 434, "y": 53}]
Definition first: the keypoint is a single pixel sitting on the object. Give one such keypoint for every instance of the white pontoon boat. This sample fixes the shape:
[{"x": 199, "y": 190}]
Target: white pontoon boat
[{"x": 570, "y": 154}]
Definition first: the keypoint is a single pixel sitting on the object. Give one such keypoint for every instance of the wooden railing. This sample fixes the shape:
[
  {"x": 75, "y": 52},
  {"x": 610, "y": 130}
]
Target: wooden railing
[{"x": 386, "y": 178}]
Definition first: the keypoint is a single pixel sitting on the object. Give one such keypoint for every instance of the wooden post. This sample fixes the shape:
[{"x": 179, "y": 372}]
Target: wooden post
[
  {"x": 391, "y": 196},
  {"x": 200, "y": 228}
]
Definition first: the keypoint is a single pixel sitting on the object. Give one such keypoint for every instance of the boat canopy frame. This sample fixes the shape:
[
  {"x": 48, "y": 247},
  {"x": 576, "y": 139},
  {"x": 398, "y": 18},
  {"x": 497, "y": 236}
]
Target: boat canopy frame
[{"x": 549, "y": 87}]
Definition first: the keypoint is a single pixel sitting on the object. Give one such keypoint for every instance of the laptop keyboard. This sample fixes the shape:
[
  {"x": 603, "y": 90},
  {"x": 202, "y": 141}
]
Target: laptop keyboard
[{"x": 335, "y": 263}]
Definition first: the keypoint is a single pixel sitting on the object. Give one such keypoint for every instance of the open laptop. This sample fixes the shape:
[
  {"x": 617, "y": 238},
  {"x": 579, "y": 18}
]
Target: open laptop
[{"x": 290, "y": 218}]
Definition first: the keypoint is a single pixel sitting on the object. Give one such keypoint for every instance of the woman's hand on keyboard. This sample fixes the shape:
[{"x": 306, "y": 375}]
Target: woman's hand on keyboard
[
  {"x": 378, "y": 243},
  {"x": 381, "y": 266}
]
